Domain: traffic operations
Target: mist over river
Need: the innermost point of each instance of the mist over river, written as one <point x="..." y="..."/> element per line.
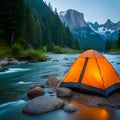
<point x="15" y="82"/>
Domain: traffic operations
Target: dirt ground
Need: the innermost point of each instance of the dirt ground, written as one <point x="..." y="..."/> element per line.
<point x="112" y="101"/>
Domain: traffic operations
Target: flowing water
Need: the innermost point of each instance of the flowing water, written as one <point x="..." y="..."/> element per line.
<point x="15" y="82"/>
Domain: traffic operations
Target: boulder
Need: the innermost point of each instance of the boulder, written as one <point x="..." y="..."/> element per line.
<point x="4" y="62"/>
<point x="70" y="108"/>
<point x="52" y="82"/>
<point x="43" y="104"/>
<point x="36" y="85"/>
<point x="3" y="68"/>
<point x="63" y="92"/>
<point x="35" y="92"/>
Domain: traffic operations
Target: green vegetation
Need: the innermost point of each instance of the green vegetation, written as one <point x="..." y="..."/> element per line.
<point x="31" y="24"/>
<point x="58" y="50"/>
<point x="19" y="52"/>
<point x="33" y="55"/>
<point x="5" y="52"/>
<point x="113" y="45"/>
<point x="17" y="49"/>
<point x="90" y="42"/>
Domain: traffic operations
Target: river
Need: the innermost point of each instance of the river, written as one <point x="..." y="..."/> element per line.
<point x="15" y="82"/>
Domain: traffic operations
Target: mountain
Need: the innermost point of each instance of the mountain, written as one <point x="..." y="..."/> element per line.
<point x="73" y="19"/>
<point x="81" y="30"/>
<point x="108" y="30"/>
<point x="53" y="31"/>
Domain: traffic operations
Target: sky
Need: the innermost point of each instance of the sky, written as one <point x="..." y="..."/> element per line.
<point x="94" y="10"/>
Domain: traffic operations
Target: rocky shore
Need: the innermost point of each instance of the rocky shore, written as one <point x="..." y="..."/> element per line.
<point x="10" y="61"/>
<point x="114" y="52"/>
<point x="45" y="98"/>
<point x="49" y="97"/>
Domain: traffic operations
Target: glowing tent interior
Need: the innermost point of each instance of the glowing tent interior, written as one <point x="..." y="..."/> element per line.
<point x="92" y="73"/>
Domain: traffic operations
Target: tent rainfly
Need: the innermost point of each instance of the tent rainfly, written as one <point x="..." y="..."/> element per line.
<point x="93" y="74"/>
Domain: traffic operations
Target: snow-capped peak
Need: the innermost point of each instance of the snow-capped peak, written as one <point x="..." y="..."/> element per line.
<point x="102" y="30"/>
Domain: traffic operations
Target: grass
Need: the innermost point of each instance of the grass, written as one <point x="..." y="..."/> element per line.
<point x="18" y="52"/>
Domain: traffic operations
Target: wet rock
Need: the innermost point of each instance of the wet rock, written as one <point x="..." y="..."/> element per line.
<point x="49" y="75"/>
<point x="4" y="62"/>
<point x="35" y="92"/>
<point x="36" y="85"/>
<point x="65" y="58"/>
<point x="67" y="65"/>
<point x="70" y="108"/>
<point x="13" y="61"/>
<point x="63" y="92"/>
<point x="3" y="68"/>
<point x="48" y="58"/>
<point x="52" y="82"/>
<point x="24" y="62"/>
<point x="55" y="60"/>
<point x="43" y="104"/>
<point x="116" y="106"/>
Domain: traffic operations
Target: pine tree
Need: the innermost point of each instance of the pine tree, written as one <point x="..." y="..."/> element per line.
<point x="55" y="11"/>
<point x="12" y="19"/>
<point x="30" y="26"/>
<point x="50" y="6"/>
<point x="49" y="43"/>
<point x="38" y="35"/>
<point x="118" y="43"/>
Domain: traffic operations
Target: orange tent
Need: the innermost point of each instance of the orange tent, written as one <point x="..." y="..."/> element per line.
<point x="92" y="73"/>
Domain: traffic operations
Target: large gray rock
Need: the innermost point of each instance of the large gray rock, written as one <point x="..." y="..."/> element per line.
<point x="52" y="81"/>
<point x="36" y="85"/>
<point x="70" y="108"/>
<point x="43" y="104"/>
<point x="63" y="92"/>
<point x="35" y="92"/>
<point x="4" y="62"/>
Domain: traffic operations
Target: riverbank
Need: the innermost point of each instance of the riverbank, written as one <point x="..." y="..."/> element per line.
<point x="72" y="99"/>
<point x="113" y="52"/>
<point x="4" y="63"/>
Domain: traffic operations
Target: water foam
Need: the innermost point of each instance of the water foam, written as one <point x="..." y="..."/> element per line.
<point x="14" y="103"/>
<point x="12" y="70"/>
<point x="22" y="82"/>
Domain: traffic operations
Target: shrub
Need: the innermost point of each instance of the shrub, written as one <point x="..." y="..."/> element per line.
<point x="43" y="49"/>
<point x="59" y="50"/>
<point x="17" y="49"/>
<point x="33" y="55"/>
<point x="5" y="52"/>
